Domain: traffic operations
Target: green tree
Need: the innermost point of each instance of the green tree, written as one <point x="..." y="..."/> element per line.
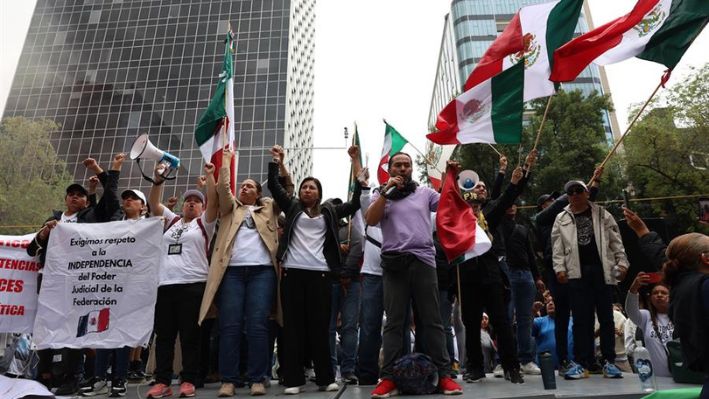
<point x="667" y="152"/>
<point x="571" y="145"/>
<point x="32" y="177"/>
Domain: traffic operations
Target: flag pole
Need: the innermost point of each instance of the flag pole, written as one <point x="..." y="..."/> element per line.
<point x="541" y="125"/>
<point x="663" y="80"/>
<point x="495" y="149"/>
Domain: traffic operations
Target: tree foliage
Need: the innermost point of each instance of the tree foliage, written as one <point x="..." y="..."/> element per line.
<point x="32" y="177"/>
<point x="667" y="151"/>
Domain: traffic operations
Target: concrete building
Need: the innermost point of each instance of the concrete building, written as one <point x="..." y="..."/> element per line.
<point x="109" y="70"/>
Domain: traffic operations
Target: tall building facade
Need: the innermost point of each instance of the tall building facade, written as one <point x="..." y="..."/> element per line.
<point x="469" y="29"/>
<point x="109" y="70"/>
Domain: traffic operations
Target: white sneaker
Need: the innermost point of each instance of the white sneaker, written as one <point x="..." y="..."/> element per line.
<point x="498" y="372"/>
<point x="292" y="391"/>
<point x="330" y="388"/>
<point x="530" y="369"/>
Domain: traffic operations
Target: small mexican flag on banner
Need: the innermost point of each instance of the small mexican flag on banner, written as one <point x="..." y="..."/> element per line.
<point x="353" y="178"/>
<point x="655" y="30"/>
<point x="393" y="143"/>
<point x="490" y="112"/>
<point x="217" y="121"/>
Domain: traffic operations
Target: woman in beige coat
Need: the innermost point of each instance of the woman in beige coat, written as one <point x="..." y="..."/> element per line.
<point x="242" y="279"/>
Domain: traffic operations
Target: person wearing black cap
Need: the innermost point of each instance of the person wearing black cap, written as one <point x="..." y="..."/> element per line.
<point x="77" y="211"/>
<point x="588" y="255"/>
<point x="550" y="205"/>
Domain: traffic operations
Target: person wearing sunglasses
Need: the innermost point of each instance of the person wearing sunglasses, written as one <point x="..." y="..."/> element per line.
<point x="588" y="255"/>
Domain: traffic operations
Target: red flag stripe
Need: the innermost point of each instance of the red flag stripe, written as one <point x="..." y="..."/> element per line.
<point x="455" y="220"/>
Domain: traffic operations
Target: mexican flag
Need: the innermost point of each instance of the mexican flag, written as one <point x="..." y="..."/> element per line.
<point x="532" y="35"/>
<point x="490" y="112"/>
<point x="655" y="30"/>
<point x="454" y="219"/>
<point x="217" y="121"/>
<point x="393" y="143"/>
<point x="353" y="178"/>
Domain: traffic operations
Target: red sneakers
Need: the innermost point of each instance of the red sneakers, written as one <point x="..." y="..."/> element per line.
<point x="159" y="391"/>
<point x="187" y="390"/>
<point x="448" y="387"/>
<point x="386" y="388"/>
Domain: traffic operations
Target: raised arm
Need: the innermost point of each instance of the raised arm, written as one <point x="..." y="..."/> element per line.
<point x="212" y="199"/>
<point x="632" y="304"/>
<point x="499" y="179"/>
<point x="225" y="197"/>
<point x="279" y="193"/>
<point x="155" y="194"/>
<point x="109" y="203"/>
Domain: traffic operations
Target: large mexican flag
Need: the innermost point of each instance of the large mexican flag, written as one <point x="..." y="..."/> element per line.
<point x="215" y="128"/>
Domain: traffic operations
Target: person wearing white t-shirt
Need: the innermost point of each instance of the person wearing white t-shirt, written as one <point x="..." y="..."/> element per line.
<point x="654" y="321"/>
<point x="182" y="277"/>
<point x="310" y="252"/>
<point x="243" y="271"/>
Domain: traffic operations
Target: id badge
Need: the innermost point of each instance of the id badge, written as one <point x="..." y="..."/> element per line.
<point x="174" y="249"/>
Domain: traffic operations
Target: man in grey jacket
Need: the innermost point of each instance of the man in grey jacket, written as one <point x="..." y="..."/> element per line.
<point x="588" y="254"/>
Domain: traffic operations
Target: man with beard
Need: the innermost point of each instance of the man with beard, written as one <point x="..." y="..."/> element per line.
<point x="483" y="282"/>
<point x="403" y="209"/>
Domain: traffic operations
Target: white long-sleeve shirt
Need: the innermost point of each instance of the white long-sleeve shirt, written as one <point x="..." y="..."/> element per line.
<point x="655" y="344"/>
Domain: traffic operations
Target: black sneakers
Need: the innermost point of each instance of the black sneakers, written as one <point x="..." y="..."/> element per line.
<point x="514" y="376"/>
<point x="118" y="389"/>
<point x="474" y="375"/>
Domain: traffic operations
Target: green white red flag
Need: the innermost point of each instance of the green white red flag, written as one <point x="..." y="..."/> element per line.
<point x="454" y="219"/>
<point x="655" y="30"/>
<point x="215" y="128"/>
<point x="490" y="112"/>
<point x="393" y="143"/>
<point x="533" y="34"/>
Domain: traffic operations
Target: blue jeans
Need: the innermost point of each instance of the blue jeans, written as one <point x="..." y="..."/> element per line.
<point x="245" y="298"/>
<point x="370" y="329"/>
<point x="346" y="304"/>
<point x="523" y="293"/>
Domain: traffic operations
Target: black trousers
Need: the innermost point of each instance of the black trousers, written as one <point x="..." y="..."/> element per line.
<point x="591" y="295"/>
<point x="177" y="311"/>
<point x="478" y="293"/>
<point x="306" y="297"/>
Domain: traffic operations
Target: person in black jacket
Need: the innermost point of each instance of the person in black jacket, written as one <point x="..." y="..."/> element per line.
<point x="311" y="258"/>
<point x="549" y="206"/>
<point x="483" y="283"/>
<point x="525" y="281"/>
<point x="687" y="274"/>
<point x="77" y="211"/>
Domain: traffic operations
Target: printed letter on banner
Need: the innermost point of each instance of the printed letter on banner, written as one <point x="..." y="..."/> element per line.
<point x="100" y="285"/>
<point x="18" y="284"/>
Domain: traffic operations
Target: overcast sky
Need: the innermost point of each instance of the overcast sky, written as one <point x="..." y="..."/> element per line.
<point x="377" y="59"/>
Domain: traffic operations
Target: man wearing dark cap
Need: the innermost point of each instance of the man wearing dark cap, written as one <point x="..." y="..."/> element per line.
<point x="77" y="211"/>
<point x="550" y="205"/>
<point x="588" y="255"/>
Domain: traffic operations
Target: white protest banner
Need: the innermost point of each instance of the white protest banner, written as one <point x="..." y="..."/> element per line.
<point x="100" y="285"/>
<point x="18" y="284"/>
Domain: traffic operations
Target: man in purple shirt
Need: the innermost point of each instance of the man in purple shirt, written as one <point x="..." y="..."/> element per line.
<point x="403" y="210"/>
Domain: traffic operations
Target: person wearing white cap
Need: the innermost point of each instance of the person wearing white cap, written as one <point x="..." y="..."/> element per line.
<point x="183" y="273"/>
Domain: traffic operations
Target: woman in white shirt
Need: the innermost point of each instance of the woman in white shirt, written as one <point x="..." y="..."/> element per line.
<point x="654" y="321"/>
<point x="310" y="252"/>
<point x="183" y="273"/>
<point x="242" y="279"/>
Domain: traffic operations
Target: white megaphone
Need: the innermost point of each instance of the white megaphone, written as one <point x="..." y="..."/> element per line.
<point x="142" y="148"/>
<point x="467" y="179"/>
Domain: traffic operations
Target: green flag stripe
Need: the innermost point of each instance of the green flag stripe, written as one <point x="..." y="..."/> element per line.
<point x="216" y="109"/>
<point x="507" y="104"/>
<point x="397" y="140"/>
<point x="561" y="23"/>
<point x="686" y="20"/>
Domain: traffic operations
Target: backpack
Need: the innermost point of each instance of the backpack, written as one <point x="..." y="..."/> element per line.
<point x="415" y="374"/>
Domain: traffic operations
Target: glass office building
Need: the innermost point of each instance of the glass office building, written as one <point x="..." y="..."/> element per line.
<point x="109" y="70"/>
<point x="470" y="28"/>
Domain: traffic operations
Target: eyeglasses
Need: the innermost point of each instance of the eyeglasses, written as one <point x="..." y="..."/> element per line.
<point x="575" y="190"/>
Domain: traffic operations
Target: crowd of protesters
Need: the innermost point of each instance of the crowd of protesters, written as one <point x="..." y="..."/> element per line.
<point x="336" y="291"/>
